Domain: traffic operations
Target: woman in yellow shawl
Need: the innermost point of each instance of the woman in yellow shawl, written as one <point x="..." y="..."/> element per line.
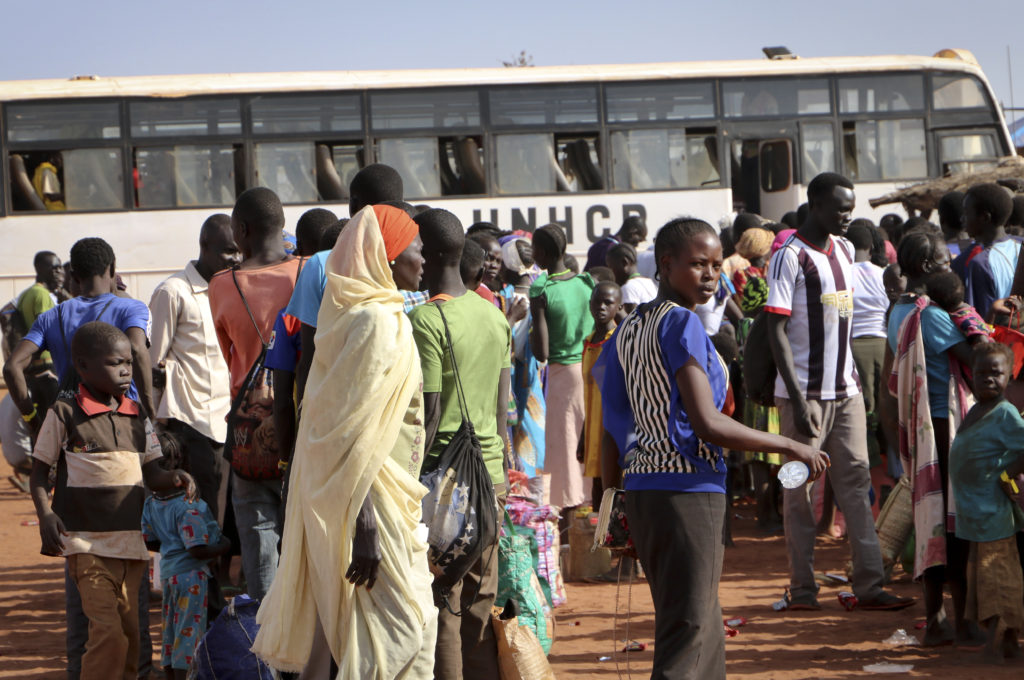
<point x="353" y="516"/>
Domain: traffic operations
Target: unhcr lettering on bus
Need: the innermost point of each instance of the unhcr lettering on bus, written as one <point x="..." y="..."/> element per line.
<point x="587" y="219"/>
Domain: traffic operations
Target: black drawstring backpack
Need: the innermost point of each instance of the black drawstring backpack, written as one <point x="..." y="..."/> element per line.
<point x="460" y="508"/>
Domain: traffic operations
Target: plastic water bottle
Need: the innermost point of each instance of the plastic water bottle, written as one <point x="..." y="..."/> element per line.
<point x="793" y="474"/>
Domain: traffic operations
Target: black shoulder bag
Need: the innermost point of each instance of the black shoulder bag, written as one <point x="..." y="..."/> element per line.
<point x="460" y="508"/>
<point x="251" y="444"/>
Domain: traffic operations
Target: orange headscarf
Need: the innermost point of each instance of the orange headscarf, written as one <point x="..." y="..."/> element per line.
<point x="397" y="229"/>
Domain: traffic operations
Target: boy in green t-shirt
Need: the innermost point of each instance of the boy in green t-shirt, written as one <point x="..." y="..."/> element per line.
<point x="481" y="341"/>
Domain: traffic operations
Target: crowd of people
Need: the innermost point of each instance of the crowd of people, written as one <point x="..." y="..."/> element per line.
<point x="283" y="400"/>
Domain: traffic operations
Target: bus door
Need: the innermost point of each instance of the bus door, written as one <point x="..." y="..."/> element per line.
<point x="762" y="166"/>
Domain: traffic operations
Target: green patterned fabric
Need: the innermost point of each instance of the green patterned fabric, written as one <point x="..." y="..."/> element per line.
<point x="755" y="295"/>
<point x="518" y="581"/>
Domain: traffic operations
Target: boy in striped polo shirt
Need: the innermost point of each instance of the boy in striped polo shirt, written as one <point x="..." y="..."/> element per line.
<point x="810" y="308"/>
<point x="104" y="447"/>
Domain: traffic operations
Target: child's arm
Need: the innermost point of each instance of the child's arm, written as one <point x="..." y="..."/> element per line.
<point x="149" y="536"/>
<point x="209" y="552"/>
<point x="611" y="475"/>
<point x="284" y="413"/>
<point x="580" y="453"/>
<point x="47" y="451"/>
<point x="501" y="414"/>
<point x="539" y="328"/>
<point x="733" y="312"/>
<point x="713" y="426"/>
<point x="51" y="528"/>
<point x="158" y="479"/>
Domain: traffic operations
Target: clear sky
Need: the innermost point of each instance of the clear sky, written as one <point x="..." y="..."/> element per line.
<point x="61" y="38"/>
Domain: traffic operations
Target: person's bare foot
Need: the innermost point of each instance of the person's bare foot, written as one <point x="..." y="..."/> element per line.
<point x="939" y="634"/>
<point x="831" y="531"/>
<point x="1011" y="648"/>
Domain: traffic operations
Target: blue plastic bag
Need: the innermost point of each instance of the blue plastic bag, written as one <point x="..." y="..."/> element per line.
<point x="225" y="653"/>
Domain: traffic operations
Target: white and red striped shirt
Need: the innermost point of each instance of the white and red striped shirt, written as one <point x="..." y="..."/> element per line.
<point x="814" y="288"/>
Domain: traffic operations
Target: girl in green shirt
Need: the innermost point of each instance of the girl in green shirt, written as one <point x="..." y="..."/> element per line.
<point x="559" y="303"/>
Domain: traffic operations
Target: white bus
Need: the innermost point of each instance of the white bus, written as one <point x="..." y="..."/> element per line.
<point x="142" y="161"/>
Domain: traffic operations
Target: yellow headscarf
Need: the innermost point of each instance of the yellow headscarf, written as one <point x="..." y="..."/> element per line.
<point x="755" y="243"/>
<point x="364" y="377"/>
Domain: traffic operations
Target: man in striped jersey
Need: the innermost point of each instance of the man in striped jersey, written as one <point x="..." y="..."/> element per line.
<point x="817" y="391"/>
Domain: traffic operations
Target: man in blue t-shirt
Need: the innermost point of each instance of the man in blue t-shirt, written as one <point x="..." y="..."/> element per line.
<point x="283" y="354"/>
<point x="987" y="268"/>
<point x="92" y="267"/>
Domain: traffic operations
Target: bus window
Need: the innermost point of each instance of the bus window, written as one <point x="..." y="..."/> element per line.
<point x="186" y="176"/>
<point x="336" y="165"/>
<point x="72" y="179"/>
<point x="185" y="117"/>
<point x="641" y="102"/>
<point x="545" y="163"/>
<point x="663" y="159"/>
<point x="818" y="147"/>
<point x="957" y="91"/>
<point x="416" y="160"/>
<point x="307" y="172"/>
<point x="287" y="168"/>
<point x="24" y="196"/>
<point x="885" y="149"/>
<point x="306" y="113"/>
<point x="868" y="94"/>
<point x="775" y="97"/>
<point x="967" y="153"/>
<point x="544" y="106"/>
<point x="462" y="166"/>
<point x="66" y="120"/>
<point x="526" y="164"/>
<point x="425" y="109"/>
<point x="577" y="154"/>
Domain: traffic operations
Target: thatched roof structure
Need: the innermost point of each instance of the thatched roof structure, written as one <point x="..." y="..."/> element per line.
<point x="925" y="196"/>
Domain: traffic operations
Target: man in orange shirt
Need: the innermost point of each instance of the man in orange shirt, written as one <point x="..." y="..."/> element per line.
<point x="263" y="283"/>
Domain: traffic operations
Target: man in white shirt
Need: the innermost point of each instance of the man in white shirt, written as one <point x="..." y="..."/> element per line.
<point x="870" y="303"/>
<point x="188" y="361"/>
<point x="810" y="310"/>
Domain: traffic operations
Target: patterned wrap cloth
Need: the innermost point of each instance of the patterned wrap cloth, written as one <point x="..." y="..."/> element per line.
<point x="934" y="509"/>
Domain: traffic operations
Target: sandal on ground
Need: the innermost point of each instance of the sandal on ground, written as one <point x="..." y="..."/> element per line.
<point x="886" y="602"/>
<point x="807" y="603"/>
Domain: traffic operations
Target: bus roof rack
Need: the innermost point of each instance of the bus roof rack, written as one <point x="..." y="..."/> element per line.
<point x="778" y="52"/>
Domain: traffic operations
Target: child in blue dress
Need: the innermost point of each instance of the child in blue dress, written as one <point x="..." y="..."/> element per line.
<point x="188" y="537"/>
<point x="988" y="443"/>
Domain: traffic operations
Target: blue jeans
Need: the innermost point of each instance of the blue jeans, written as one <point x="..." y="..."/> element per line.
<point x="78" y="628"/>
<point x="258" y="518"/>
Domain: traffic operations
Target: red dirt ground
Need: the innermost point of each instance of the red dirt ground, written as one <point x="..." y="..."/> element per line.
<point x="831" y="643"/>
